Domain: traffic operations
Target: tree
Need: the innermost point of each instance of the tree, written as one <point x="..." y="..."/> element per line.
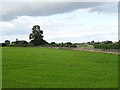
<point x="53" y="43"/>
<point x="7" y="42"/>
<point x="107" y="42"/>
<point x="69" y="43"/>
<point x="36" y="36"/>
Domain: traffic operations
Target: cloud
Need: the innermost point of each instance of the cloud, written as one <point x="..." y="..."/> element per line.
<point x="62" y="30"/>
<point x="109" y="7"/>
<point x="61" y="22"/>
<point x="14" y="27"/>
<point x="12" y="10"/>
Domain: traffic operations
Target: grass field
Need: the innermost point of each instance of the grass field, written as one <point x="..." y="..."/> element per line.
<point x="57" y="68"/>
<point x="0" y="68"/>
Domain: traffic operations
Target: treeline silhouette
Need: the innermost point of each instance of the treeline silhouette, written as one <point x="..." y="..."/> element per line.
<point x="107" y="46"/>
<point x="36" y="38"/>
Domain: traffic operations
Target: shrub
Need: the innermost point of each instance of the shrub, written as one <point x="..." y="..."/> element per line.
<point x="108" y="46"/>
<point x="3" y="44"/>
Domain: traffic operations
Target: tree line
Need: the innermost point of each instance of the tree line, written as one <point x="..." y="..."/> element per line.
<point x="36" y="39"/>
<point x="107" y="46"/>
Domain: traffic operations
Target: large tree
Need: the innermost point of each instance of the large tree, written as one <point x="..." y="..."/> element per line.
<point x="7" y="42"/>
<point x="36" y="36"/>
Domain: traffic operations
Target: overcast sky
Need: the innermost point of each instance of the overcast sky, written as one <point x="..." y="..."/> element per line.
<point x="60" y="21"/>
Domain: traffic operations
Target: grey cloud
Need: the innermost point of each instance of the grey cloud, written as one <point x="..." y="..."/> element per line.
<point x="14" y="9"/>
<point x="108" y="7"/>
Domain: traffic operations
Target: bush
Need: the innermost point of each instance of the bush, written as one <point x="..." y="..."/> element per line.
<point x="3" y="44"/>
<point x="21" y="45"/>
<point x="108" y="46"/>
<point x="63" y="45"/>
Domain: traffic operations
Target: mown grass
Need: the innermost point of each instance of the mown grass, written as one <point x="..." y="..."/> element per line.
<point x="56" y="68"/>
<point x="0" y="67"/>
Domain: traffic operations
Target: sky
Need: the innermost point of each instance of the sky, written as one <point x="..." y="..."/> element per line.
<point x="75" y="22"/>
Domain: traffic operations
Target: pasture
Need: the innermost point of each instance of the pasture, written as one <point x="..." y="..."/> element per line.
<point x="57" y="68"/>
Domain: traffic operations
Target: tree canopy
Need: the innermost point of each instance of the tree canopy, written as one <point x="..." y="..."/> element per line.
<point x="36" y="36"/>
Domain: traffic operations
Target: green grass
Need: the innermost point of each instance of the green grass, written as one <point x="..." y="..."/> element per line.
<point x="85" y="46"/>
<point x="0" y="67"/>
<point x="56" y="68"/>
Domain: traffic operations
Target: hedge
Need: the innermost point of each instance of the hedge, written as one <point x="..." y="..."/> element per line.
<point x="107" y="46"/>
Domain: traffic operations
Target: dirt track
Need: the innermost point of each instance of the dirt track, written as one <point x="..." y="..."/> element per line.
<point x="99" y="50"/>
<point x="110" y="51"/>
